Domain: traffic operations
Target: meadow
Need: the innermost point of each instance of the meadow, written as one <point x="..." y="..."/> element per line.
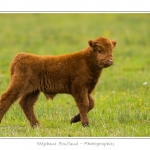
<point x="122" y="96"/>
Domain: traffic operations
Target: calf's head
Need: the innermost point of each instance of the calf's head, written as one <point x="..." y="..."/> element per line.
<point x="103" y="48"/>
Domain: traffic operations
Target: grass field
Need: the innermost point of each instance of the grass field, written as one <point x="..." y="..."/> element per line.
<point x="122" y="96"/>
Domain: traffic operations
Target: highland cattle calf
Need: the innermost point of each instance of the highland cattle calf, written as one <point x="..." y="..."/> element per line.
<point x="75" y="74"/>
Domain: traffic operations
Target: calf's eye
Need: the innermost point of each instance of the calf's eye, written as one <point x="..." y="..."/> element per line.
<point x="100" y="51"/>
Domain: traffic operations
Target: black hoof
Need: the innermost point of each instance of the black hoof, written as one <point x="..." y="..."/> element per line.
<point x="75" y="119"/>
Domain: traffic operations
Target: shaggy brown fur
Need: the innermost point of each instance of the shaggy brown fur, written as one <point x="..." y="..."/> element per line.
<point x="75" y="74"/>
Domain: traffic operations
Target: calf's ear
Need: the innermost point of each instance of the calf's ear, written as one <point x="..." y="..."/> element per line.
<point x="91" y="44"/>
<point x="113" y="42"/>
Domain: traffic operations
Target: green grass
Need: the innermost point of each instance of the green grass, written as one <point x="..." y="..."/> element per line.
<point x="122" y="101"/>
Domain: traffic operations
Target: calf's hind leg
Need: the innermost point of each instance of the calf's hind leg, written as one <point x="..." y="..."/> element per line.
<point x="9" y="97"/>
<point x="27" y="102"/>
<point x="91" y="105"/>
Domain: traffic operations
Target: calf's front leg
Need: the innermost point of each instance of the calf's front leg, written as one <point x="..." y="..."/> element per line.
<point x="91" y="105"/>
<point x="83" y="106"/>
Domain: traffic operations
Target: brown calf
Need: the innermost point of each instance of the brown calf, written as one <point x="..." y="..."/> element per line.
<point x="75" y="74"/>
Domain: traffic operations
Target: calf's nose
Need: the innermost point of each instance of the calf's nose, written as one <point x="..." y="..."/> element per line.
<point x="110" y="61"/>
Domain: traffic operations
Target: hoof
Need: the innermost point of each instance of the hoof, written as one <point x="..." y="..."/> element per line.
<point x="35" y="125"/>
<point x="75" y="119"/>
<point x="85" y="124"/>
